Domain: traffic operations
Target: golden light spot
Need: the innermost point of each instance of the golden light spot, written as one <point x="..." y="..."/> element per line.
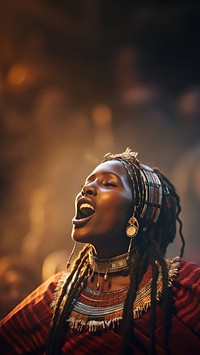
<point x="102" y="115"/>
<point x="17" y="75"/>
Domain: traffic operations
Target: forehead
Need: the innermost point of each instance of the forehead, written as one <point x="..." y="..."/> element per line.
<point x="111" y="167"/>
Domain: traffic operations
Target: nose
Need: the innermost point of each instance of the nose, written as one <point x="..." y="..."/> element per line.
<point x="88" y="190"/>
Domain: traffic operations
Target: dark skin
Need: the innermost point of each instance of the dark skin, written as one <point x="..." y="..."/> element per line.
<point x="109" y="192"/>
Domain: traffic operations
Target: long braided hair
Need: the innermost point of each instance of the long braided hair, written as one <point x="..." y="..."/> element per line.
<point x="151" y="244"/>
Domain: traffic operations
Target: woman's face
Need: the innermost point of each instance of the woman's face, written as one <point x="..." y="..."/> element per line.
<point x="103" y="208"/>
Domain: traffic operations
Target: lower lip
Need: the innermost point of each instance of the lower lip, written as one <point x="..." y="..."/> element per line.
<point x="81" y="222"/>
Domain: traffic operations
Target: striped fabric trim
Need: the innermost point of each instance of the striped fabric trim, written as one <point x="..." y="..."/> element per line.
<point x="187" y="295"/>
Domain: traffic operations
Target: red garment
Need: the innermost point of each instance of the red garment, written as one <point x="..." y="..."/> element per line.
<point x="25" y="330"/>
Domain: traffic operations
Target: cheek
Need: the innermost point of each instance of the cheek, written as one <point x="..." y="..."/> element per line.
<point x="117" y="202"/>
<point x="116" y="209"/>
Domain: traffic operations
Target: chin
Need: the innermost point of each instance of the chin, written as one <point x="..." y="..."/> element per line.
<point x="78" y="236"/>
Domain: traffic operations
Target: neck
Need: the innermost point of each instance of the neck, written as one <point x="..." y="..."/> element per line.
<point x="109" y="249"/>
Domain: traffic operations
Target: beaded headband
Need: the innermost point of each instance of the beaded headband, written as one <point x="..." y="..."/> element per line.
<point x="149" y="197"/>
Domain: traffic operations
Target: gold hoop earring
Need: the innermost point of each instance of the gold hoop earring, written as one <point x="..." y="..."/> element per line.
<point x="132" y="230"/>
<point x="132" y="227"/>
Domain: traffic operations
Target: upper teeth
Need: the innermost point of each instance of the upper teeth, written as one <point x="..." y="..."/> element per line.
<point x="86" y="205"/>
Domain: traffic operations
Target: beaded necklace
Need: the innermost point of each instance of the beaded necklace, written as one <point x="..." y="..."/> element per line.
<point x="105" y="267"/>
<point x="96" y="310"/>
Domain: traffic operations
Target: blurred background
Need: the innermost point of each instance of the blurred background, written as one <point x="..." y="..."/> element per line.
<point x="79" y="79"/>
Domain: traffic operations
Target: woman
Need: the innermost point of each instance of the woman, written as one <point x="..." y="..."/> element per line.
<point x="122" y="295"/>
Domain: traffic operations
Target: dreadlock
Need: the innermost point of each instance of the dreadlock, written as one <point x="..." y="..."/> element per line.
<point x="151" y="241"/>
<point x="76" y="278"/>
<point x="170" y="216"/>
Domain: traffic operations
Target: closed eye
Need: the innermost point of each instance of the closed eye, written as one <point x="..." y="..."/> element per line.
<point x="109" y="184"/>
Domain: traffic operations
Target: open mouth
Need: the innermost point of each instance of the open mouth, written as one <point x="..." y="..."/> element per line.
<point x="85" y="211"/>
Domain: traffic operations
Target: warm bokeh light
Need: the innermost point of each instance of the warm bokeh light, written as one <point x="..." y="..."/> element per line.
<point x="102" y="115"/>
<point x="78" y="84"/>
<point x="17" y="75"/>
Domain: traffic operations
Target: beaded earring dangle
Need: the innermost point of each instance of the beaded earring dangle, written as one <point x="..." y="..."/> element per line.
<point x="71" y="255"/>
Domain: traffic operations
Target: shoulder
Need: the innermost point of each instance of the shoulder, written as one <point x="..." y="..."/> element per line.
<point x="188" y="275"/>
<point x="43" y="294"/>
<point x="186" y="293"/>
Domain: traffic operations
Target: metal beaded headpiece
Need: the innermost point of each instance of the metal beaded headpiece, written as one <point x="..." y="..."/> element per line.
<point x="149" y="197"/>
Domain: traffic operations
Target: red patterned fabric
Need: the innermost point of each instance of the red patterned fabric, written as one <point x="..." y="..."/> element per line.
<point x="25" y="330"/>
